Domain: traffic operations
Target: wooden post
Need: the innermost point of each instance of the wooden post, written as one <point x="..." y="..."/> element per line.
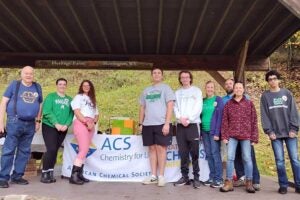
<point x="240" y="70"/>
<point x="218" y="77"/>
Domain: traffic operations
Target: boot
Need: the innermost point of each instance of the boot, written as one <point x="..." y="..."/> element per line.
<point x="228" y="186"/>
<point x="80" y="176"/>
<point x="74" y="179"/>
<point x="249" y="186"/>
<point x="51" y="176"/>
<point x="45" y="177"/>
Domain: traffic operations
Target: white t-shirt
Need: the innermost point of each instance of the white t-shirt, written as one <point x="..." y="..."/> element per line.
<point x="83" y="102"/>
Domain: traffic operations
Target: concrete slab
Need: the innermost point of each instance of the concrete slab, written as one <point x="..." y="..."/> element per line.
<point x="62" y="190"/>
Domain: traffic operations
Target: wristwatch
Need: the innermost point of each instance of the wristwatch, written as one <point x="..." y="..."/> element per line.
<point x="38" y="120"/>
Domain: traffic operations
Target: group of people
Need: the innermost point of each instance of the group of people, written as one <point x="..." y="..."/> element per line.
<point x="212" y="119"/>
<point x="23" y="103"/>
<point x="231" y="119"/>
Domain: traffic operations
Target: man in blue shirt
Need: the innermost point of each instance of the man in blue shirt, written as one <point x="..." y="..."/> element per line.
<point x="22" y="102"/>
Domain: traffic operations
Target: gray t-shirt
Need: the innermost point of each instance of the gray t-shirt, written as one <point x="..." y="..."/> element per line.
<point x="155" y="99"/>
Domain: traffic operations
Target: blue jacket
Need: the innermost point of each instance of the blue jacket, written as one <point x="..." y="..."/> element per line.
<point x="216" y="121"/>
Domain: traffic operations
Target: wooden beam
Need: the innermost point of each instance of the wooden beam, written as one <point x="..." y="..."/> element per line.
<point x="160" y="15"/>
<point x="100" y="25"/>
<point x="85" y="35"/>
<point x="51" y="11"/>
<point x="240" y="70"/>
<point x="168" y="62"/>
<point x="275" y="31"/>
<point x="191" y="46"/>
<point x="216" y="31"/>
<point x="238" y="27"/>
<point x="178" y="26"/>
<point x="292" y="5"/>
<point x="258" y="64"/>
<point x="278" y="43"/>
<point x="77" y="64"/>
<point x="16" y="37"/>
<point x="218" y="77"/>
<point x="264" y="21"/>
<point x="139" y="18"/>
<point x="29" y="10"/>
<point x="120" y="26"/>
<point x="24" y="27"/>
<point x="8" y="45"/>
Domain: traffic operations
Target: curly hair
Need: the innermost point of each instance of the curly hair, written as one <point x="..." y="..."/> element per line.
<point x="91" y="93"/>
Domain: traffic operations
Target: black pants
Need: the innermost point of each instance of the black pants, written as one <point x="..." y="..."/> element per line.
<point x="188" y="143"/>
<point x="53" y="140"/>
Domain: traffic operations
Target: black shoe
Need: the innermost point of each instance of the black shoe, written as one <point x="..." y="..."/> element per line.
<point x="196" y="183"/>
<point x="51" y="176"/>
<point x="217" y="184"/>
<point x="81" y="175"/>
<point x="208" y="182"/>
<point x="45" y="177"/>
<point x="297" y="190"/>
<point x="182" y="181"/>
<point x="74" y="179"/>
<point x="19" y="181"/>
<point x="4" y="184"/>
<point x="282" y="190"/>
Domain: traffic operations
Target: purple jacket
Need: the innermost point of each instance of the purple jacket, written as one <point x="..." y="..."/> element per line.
<point x="216" y="120"/>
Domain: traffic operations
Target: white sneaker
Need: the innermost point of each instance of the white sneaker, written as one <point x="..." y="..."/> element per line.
<point x="161" y="181"/>
<point x="150" y="180"/>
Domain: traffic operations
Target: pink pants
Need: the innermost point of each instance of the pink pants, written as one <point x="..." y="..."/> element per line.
<point x="83" y="137"/>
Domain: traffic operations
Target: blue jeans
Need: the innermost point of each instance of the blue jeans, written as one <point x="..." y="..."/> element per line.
<point x="213" y="156"/>
<point x="18" y="140"/>
<point x="292" y="148"/>
<point x="239" y="166"/>
<point x="246" y="155"/>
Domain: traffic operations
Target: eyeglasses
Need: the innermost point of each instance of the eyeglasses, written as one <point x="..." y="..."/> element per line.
<point x="272" y="79"/>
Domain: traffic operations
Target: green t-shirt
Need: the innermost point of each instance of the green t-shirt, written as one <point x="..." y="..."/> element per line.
<point x="57" y="109"/>
<point x="207" y="112"/>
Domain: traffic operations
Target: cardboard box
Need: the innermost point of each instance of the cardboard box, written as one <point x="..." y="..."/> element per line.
<point x="122" y="126"/>
<point x="31" y="168"/>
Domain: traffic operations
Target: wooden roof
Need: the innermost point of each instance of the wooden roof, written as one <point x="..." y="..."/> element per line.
<point x="174" y="34"/>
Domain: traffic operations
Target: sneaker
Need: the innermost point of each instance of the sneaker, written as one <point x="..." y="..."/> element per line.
<point x="161" y="181"/>
<point x="4" y="184"/>
<point x="256" y="186"/>
<point x="282" y="190"/>
<point x="20" y="181"/>
<point x="182" y="181"/>
<point x="239" y="183"/>
<point x="217" y="184"/>
<point x="297" y="190"/>
<point x="208" y="182"/>
<point x="150" y="180"/>
<point x="196" y="183"/>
